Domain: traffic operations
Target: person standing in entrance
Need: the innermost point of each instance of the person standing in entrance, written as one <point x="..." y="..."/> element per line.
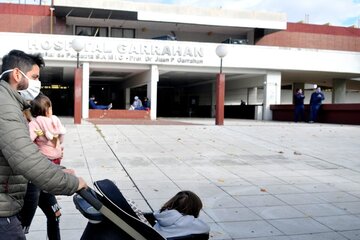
<point x="315" y="103"/>
<point x="299" y="105"/>
<point x="20" y="158"/>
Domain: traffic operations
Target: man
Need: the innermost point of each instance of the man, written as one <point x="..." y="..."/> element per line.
<point x="93" y="104"/>
<point x="146" y="104"/>
<point x="315" y="102"/>
<point x="299" y="105"/>
<point x="137" y="104"/>
<point x="20" y="159"/>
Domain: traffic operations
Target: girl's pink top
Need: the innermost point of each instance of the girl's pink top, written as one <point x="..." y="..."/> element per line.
<point x="48" y="134"/>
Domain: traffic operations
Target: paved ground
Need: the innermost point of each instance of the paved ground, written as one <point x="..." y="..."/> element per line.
<point x="258" y="180"/>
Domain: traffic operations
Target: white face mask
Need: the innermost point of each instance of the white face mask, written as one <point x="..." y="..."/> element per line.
<point x="33" y="89"/>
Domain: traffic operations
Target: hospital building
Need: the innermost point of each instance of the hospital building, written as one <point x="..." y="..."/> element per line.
<point x="116" y="50"/>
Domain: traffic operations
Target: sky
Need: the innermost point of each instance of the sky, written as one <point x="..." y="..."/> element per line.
<point x="335" y="12"/>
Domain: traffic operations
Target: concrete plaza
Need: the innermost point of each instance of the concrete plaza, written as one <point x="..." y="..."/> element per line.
<point x="258" y="180"/>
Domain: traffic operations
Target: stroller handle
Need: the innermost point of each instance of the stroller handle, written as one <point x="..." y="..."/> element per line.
<point x="89" y="195"/>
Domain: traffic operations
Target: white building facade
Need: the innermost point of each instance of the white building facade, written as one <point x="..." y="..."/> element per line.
<point x="256" y="74"/>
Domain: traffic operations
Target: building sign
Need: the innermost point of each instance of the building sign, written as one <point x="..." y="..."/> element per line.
<point x="123" y="50"/>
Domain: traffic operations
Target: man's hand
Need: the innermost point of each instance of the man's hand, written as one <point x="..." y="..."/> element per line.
<point x="70" y="171"/>
<point x="82" y="183"/>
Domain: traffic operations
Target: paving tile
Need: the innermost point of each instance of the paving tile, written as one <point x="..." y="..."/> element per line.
<point x="331" y="179"/>
<point x="318" y="236"/>
<point x="301" y="198"/>
<point x="266" y="238"/>
<point x="319" y="210"/>
<point x="334" y="197"/>
<point x="317" y="187"/>
<point x="297" y="180"/>
<point x="218" y="233"/>
<point x="340" y="223"/>
<point x="244" y="190"/>
<point x="277" y="212"/>
<point x="227" y="181"/>
<point x="231" y="214"/>
<point x="299" y="226"/>
<point x="355" y="193"/>
<point x="259" y="200"/>
<point x="282" y="189"/>
<point x="223" y="201"/>
<point x="351" y="235"/>
<point x="249" y="229"/>
<point x="260" y="181"/>
<point x="284" y="173"/>
<point x="351" y="207"/>
<point x="349" y="186"/>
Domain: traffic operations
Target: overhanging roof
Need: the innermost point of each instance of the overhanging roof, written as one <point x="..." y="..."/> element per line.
<point x="61" y="11"/>
<point x="165" y="13"/>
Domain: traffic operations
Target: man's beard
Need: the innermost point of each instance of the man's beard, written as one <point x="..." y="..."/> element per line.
<point x="22" y="84"/>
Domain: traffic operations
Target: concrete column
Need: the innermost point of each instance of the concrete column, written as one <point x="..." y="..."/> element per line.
<point x="77" y="95"/>
<point x="213" y="100"/>
<point x="85" y="90"/>
<point x="272" y="92"/>
<point x="220" y="99"/>
<point x="339" y="91"/>
<point x="152" y="90"/>
<point x="127" y="98"/>
<point x="252" y="95"/>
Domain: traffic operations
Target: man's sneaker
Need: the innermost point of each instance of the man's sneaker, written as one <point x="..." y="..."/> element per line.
<point x="110" y="106"/>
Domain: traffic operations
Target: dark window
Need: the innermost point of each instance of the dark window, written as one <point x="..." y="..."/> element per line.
<point x="92" y="31"/>
<point x="236" y="41"/>
<point x="122" y="33"/>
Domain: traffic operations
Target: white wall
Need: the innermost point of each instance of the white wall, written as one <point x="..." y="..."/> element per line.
<point x="99" y="51"/>
<point x="234" y="96"/>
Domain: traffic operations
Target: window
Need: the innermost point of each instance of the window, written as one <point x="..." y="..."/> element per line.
<point x="91" y="31"/>
<point x="122" y="33"/>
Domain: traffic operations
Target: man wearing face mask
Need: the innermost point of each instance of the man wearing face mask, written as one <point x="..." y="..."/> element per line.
<point x="20" y="159"/>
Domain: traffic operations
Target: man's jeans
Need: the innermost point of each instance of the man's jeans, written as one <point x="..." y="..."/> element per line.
<point x="314" y="112"/>
<point x="48" y="204"/>
<point x="10" y="228"/>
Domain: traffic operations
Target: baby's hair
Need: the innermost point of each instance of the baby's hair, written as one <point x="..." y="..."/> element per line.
<point x="40" y="105"/>
<point x="185" y="202"/>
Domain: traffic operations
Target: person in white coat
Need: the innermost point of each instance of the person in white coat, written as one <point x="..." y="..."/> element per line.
<point x="179" y="216"/>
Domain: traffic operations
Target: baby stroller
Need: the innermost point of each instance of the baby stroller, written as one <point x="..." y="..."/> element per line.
<point x="112" y="218"/>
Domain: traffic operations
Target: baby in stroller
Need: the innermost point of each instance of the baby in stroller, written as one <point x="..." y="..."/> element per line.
<point x="111" y="216"/>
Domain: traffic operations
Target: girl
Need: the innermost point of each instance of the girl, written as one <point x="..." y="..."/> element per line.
<point x="47" y="132"/>
<point x="179" y="216"/>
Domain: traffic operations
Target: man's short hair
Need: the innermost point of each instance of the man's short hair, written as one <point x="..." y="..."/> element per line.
<point x="23" y="61"/>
